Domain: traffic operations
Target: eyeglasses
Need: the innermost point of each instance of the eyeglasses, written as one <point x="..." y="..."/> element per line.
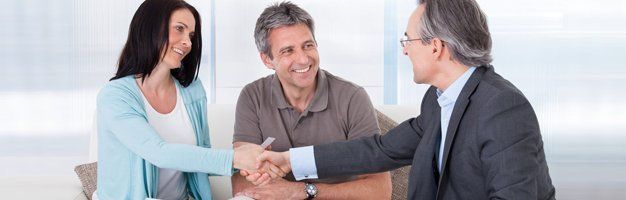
<point x="405" y="40"/>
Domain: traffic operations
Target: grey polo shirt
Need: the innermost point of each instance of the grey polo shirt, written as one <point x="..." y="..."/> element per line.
<point x="339" y="111"/>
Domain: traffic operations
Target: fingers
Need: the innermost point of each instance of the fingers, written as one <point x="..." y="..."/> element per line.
<point x="265" y="169"/>
<point x="286" y="169"/>
<point x="276" y="171"/>
<point x="266" y="182"/>
<point x="253" y="177"/>
<point x="264" y="179"/>
<point x="271" y="170"/>
<point x="259" y="178"/>
<point x="280" y="160"/>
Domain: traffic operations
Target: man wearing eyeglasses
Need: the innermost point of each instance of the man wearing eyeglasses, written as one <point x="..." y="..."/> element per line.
<point x="300" y="105"/>
<point x="477" y="136"/>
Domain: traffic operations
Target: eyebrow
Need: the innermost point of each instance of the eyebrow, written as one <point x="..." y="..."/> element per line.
<point x="183" y="24"/>
<point x="287" y="47"/>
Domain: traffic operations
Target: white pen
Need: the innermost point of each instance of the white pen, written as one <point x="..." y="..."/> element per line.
<point x="267" y="142"/>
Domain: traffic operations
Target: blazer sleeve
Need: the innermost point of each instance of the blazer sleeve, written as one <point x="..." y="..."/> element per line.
<point x="370" y="154"/>
<point x="117" y="116"/>
<point x="509" y="142"/>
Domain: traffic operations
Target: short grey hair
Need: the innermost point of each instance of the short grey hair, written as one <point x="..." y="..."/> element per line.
<point x="278" y="15"/>
<point x="462" y="26"/>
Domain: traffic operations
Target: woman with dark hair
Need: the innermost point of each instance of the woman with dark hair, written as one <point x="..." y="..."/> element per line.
<point x="153" y="139"/>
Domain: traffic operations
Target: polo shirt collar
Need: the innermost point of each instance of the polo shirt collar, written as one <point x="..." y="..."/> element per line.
<point x="320" y="98"/>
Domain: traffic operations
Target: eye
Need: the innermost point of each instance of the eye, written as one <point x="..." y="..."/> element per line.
<point x="179" y="28"/>
<point x="286" y="51"/>
<point x="192" y="34"/>
<point x="309" y="46"/>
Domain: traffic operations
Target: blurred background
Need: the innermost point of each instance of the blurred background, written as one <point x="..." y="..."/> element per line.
<point x="567" y="56"/>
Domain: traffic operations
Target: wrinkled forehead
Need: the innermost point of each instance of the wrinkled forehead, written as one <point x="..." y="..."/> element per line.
<point x="288" y="34"/>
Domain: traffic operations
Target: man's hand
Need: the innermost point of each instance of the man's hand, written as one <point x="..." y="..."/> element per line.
<point x="268" y="169"/>
<point x="276" y="189"/>
<point x="279" y="159"/>
<point x="245" y="160"/>
<point x="266" y="173"/>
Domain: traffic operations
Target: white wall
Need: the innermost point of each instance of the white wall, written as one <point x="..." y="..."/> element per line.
<point x="349" y="35"/>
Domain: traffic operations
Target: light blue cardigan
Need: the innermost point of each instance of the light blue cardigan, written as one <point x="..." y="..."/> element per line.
<point x="129" y="150"/>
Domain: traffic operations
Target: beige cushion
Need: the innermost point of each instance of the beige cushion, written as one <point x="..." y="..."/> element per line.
<point x="400" y="176"/>
<point x="87" y="173"/>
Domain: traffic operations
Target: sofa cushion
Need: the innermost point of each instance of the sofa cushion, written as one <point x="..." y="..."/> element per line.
<point x="384" y="122"/>
<point x="87" y="173"/>
<point x="400" y="176"/>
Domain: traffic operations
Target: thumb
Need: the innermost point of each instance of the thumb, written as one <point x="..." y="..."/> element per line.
<point x="244" y="172"/>
<point x="261" y="158"/>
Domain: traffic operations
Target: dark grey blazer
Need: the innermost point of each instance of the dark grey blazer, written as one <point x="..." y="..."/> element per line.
<point x="493" y="149"/>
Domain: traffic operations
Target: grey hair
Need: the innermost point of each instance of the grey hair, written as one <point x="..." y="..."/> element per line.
<point x="462" y="26"/>
<point x="278" y="15"/>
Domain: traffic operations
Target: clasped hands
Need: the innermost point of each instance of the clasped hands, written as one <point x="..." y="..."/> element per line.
<point x="259" y="165"/>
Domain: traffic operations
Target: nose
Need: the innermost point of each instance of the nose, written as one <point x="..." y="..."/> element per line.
<point x="404" y="50"/>
<point x="186" y="41"/>
<point x="302" y="58"/>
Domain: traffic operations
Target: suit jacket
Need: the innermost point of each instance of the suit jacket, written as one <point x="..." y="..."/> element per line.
<point x="493" y="149"/>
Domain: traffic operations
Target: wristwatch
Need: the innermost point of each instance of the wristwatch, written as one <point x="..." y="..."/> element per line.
<point x="310" y="189"/>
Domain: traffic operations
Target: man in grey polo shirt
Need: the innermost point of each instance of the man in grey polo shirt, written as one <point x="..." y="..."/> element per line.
<point x="302" y="105"/>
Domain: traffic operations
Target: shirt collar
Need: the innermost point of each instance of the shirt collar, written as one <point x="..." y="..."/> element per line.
<point x="320" y="98"/>
<point x="452" y="92"/>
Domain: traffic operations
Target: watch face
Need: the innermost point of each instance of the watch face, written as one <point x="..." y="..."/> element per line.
<point x="311" y="189"/>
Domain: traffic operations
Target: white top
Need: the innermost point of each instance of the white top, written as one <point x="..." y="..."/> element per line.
<point x="173" y="127"/>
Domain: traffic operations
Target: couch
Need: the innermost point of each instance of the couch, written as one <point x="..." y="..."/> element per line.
<point x="221" y="123"/>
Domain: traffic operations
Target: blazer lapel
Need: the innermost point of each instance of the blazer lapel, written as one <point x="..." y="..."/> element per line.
<point x="435" y="140"/>
<point x="455" y="119"/>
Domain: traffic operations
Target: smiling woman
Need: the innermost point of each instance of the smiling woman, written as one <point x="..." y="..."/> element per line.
<point x="181" y="32"/>
<point x="152" y="130"/>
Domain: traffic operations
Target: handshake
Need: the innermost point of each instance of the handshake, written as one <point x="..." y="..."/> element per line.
<point x="259" y="165"/>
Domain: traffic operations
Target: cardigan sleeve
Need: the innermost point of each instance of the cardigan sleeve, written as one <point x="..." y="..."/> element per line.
<point x="119" y="114"/>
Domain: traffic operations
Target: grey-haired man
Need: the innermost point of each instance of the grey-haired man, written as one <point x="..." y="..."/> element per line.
<point x="477" y="136"/>
<point x="300" y="105"/>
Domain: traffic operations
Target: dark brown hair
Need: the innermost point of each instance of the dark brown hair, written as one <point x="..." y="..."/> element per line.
<point x="148" y="35"/>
